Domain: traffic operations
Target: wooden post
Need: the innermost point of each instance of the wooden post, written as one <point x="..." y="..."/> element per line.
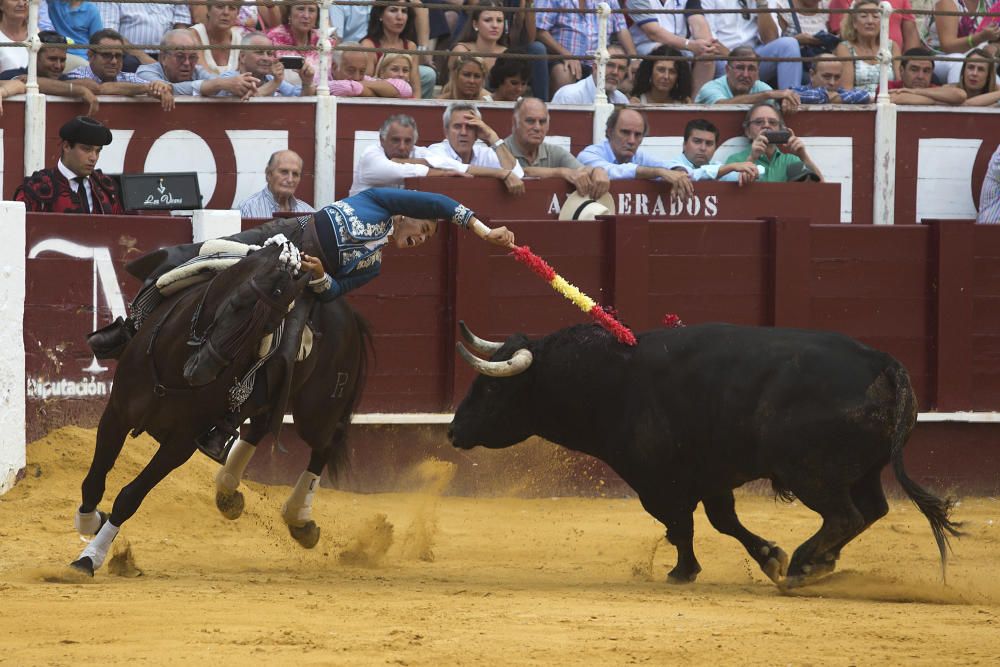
<point x="951" y="288"/>
<point x="791" y="251"/>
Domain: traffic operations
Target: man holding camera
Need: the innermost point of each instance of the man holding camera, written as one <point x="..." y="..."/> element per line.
<point x="270" y="71"/>
<point x="765" y="127"/>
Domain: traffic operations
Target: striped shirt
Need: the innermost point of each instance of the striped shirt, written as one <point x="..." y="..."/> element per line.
<point x="84" y="72"/>
<point x="989" y="198"/>
<point x="264" y="205"/>
<point x="143" y="23"/>
<point x="577" y="33"/>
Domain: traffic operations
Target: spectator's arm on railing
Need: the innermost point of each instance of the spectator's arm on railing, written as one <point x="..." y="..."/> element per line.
<point x="8" y="88"/>
<point x="946" y="95"/>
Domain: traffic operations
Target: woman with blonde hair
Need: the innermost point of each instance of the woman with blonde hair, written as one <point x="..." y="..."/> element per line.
<point x="466" y="80"/>
<point x="861" y="40"/>
<point x="978" y="79"/>
<point x="220" y="28"/>
<point x="13" y="28"/>
<point x="395" y="66"/>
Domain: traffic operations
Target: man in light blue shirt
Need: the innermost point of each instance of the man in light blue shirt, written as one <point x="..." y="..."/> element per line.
<point x="179" y="68"/>
<point x="263" y="66"/>
<point x="619" y="154"/>
<point x="584" y="91"/>
<point x="701" y="139"/>
<point x="349" y="22"/>
<point x="742" y="85"/>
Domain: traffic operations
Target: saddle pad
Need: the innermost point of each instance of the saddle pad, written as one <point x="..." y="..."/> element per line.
<point x="202" y="267"/>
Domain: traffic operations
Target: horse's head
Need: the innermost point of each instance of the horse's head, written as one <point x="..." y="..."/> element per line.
<point x="244" y="303"/>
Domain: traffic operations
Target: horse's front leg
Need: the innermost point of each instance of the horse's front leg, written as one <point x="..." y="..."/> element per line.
<point x="228" y="498"/>
<point x="111" y="434"/>
<point x="167" y="458"/>
<point x="297" y="510"/>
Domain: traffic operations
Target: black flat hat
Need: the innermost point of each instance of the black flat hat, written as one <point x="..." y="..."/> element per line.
<point x="85" y="130"/>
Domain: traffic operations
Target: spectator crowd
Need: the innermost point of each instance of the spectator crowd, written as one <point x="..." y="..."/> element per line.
<point x="749" y="52"/>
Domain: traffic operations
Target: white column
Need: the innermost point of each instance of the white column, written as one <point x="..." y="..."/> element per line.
<point x="884" y="199"/>
<point x="207" y="224"/>
<point x="326" y="151"/>
<point x="602" y="107"/>
<point x="34" y="102"/>
<point x="12" y="371"/>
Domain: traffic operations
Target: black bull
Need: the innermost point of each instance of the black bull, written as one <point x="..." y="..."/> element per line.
<point x="689" y="414"/>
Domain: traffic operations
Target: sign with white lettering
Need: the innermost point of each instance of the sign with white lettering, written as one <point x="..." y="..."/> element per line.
<point x="161" y="191"/>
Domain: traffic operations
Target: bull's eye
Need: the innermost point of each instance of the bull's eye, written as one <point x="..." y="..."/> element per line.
<point x="276" y="293"/>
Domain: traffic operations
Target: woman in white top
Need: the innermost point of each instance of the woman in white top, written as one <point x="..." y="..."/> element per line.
<point x="13" y="28"/>
<point x="803" y="20"/>
<point x="219" y="29"/>
<point x="861" y="39"/>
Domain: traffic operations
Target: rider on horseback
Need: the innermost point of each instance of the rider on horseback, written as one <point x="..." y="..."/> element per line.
<point x="346" y="239"/>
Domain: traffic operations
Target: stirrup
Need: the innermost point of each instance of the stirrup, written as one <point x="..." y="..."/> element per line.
<point x="216" y="443"/>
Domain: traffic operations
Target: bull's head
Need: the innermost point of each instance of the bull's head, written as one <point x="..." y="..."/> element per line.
<point x="497" y="411"/>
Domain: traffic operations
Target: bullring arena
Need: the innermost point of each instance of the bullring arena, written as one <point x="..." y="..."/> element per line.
<point x="432" y="555"/>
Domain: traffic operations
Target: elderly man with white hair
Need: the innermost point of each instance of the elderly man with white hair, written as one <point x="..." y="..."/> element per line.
<point x="469" y="140"/>
<point x="179" y="67"/>
<point x="268" y="70"/>
<point x="396" y="157"/>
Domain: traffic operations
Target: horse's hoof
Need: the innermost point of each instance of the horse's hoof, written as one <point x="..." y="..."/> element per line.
<point x="230" y="504"/>
<point x="84" y="565"/>
<point x="307" y="535"/>
<point x="776" y="566"/>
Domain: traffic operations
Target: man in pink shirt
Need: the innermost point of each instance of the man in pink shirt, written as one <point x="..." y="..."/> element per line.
<point x="348" y="77"/>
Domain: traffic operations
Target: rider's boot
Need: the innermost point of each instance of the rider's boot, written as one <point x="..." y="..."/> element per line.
<point x="217" y="441"/>
<point x="110" y="341"/>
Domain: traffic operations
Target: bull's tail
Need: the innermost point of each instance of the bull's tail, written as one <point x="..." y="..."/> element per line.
<point x="338" y="459"/>
<point x="937" y="510"/>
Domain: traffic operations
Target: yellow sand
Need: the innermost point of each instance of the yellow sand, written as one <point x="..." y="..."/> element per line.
<point x="421" y="578"/>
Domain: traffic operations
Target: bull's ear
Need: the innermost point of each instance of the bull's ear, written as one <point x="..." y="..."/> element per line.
<point x="486" y="348"/>
<point x="516" y="365"/>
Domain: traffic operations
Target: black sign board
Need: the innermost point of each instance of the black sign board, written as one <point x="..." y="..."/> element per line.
<point x="171" y="191"/>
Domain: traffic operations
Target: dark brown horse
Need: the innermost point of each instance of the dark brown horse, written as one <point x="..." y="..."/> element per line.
<point x="175" y="377"/>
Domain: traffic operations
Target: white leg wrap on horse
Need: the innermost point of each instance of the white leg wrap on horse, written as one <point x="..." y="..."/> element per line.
<point x="297" y="510"/>
<point x="87" y="524"/>
<point x="97" y="550"/>
<point x="229" y="476"/>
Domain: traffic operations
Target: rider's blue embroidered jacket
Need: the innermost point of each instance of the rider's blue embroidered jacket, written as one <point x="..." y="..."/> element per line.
<point x="352" y="231"/>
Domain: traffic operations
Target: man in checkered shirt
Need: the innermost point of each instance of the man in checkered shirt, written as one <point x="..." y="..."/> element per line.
<point x="575" y="34"/>
<point x="143" y="23"/>
<point x="105" y="68"/>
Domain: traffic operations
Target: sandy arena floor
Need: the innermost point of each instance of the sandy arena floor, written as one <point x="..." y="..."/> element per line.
<point x="423" y="578"/>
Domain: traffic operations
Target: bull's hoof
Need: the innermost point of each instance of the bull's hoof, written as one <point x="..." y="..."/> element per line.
<point x="307" y="535"/>
<point x="776" y="565"/>
<point x="230" y="504"/>
<point x="83" y="565"/>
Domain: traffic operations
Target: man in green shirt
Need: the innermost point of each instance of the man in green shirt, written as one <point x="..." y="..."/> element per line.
<point x="762" y="120"/>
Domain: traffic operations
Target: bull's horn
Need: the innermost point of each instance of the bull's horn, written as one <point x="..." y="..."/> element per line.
<point x="498" y="369"/>
<point x="487" y="348"/>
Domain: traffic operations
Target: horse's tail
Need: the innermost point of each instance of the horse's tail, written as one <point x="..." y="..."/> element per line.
<point x="338" y="461"/>
<point x="936" y="509"/>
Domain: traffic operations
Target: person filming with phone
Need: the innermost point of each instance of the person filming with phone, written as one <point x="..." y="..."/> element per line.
<point x="775" y="148"/>
<point x="269" y="71"/>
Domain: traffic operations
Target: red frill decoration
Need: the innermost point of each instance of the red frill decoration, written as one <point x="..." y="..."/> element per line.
<point x="620" y="331"/>
<point x="541" y="268"/>
<point x="524" y="255"/>
<point x="671" y="321"/>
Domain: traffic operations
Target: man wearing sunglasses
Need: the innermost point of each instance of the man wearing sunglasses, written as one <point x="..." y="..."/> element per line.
<point x="51" y="79"/>
<point x="178" y="66"/>
<point x="105" y="69"/>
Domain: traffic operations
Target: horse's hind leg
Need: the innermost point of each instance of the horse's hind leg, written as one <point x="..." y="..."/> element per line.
<point x="297" y="510"/>
<point x="168" y="457"/>
<point x="111" y="434"/>
<point x="228" y="498"/>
